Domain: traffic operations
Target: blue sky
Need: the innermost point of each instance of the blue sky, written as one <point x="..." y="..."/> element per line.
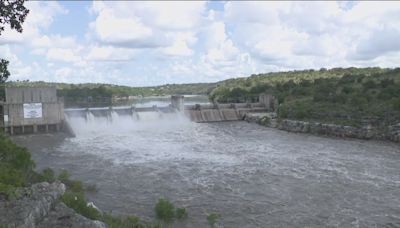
<point x="150" y="43"/>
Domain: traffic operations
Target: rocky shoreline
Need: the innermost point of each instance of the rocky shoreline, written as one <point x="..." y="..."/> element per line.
<point x="40" y="206"/>
<point x="391" y="133"/>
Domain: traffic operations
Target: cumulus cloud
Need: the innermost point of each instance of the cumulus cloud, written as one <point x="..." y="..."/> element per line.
<point x="46" y="41"/>
<point x="378" y="43"/>
<point x="130" y="31"/>
<point x="62" y="54"/>
<point x="145" y="24"/>
<point x="145" y="43"/>
<point x="108" y="53"/>
<point x="40" y="17"/>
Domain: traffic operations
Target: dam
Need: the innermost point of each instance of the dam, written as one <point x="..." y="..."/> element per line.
<point x="30" y="110"/>
<point x="199" y="113"/>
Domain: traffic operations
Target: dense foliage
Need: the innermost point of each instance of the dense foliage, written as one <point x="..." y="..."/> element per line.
<point x="104" y="90"/>
<point x="345" y="96"/>
<point x="166" y="211"/>
<point x="4" y="73"/>
<point x="16" y="167"/>
<point x="13" y="13"/>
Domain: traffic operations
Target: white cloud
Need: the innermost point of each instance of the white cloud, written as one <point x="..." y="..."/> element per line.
<point x="54" y="41"/>
<point x="146" y="24"/>
<point x="309" y="34"/>
<point x="109" y="53"/>
<point x="62" y="54"/>
<point x="173" y="14"/>
<point x="378" y="43"/>
<point x="63" y="73"/>
<point x="124" y="31"/>
<point x="40" y="17"/>
<point x="144" y="43"/>
<point x="180" y="47"/>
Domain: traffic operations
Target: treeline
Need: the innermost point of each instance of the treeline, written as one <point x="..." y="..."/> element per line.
<point x="341" y="95"/>
<point x="95" y="90"/>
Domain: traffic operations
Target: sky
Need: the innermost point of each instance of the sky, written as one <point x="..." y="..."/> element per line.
<point x="152" y="43"/>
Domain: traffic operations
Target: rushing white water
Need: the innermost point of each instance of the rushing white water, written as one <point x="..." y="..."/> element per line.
<point x="253" y="176"/>
<point x="125" y="124"/>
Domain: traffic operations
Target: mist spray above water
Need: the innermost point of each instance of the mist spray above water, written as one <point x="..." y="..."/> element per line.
<point x="125" y="124"/>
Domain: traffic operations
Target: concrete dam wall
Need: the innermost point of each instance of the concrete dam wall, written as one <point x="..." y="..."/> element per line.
<point x="222" y="112"/>
<point x="36" y="110"/>
<point x="196" y="113"/>
<point x="177" y="109"/>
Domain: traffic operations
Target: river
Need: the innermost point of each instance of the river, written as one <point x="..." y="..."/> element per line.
<point x="253" y="176"/>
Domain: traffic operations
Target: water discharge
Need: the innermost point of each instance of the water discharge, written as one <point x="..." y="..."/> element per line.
<point x="253" y="176"/>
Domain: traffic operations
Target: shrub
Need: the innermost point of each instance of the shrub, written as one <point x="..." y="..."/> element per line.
<point x="14" y="156"/>
<point x="16" y="167"/>
<point x="77" y="202"/>
<point x="48" y="175"/>
<point x="181" y="213"/>
<point x="396" y="103"/>
<point x="265" y="121"/>
<point x="213" y="218"/>
<point x="7" y="191"/>
<point x="165" y="210"/>
<point x="11" y="176"/>
<point x="369" y="85"/>
<point x="348" y="89"/>
<point x="126" y="222"/>
<point x="63" y="176"/>
<point x="75" y="186"/>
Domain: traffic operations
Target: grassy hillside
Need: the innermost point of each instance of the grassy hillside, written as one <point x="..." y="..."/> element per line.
<point x="347" y="96"/>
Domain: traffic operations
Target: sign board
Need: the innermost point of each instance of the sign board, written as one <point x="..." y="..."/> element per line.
<point x="5" y="118"/>
<point x="33" y="110"/>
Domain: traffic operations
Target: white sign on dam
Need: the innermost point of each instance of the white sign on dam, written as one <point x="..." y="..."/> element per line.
<point x="33" y="110"/>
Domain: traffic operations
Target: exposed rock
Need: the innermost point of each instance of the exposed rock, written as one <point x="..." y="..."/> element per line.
<point x="39" y="206"/>
<point x="33" y="204"/>
<point x="367" y="132"/>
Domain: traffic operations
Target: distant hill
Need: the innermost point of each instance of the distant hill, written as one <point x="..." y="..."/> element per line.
<point x="98" y="89"/>
<point x="350" y="96"/>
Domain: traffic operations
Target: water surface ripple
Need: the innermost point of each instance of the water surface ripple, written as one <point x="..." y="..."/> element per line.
<point x="253" y="176"/>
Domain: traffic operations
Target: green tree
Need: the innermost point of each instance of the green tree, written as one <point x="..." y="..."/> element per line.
<point x="4" y="73"/>
<point x="12" y="12"/>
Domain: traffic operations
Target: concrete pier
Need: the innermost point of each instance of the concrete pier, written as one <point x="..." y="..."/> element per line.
<point x="177" y="102"/>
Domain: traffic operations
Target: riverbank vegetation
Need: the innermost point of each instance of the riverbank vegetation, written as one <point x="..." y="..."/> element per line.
<point x="17" y="170"/>
<point x="350" y="96"/>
